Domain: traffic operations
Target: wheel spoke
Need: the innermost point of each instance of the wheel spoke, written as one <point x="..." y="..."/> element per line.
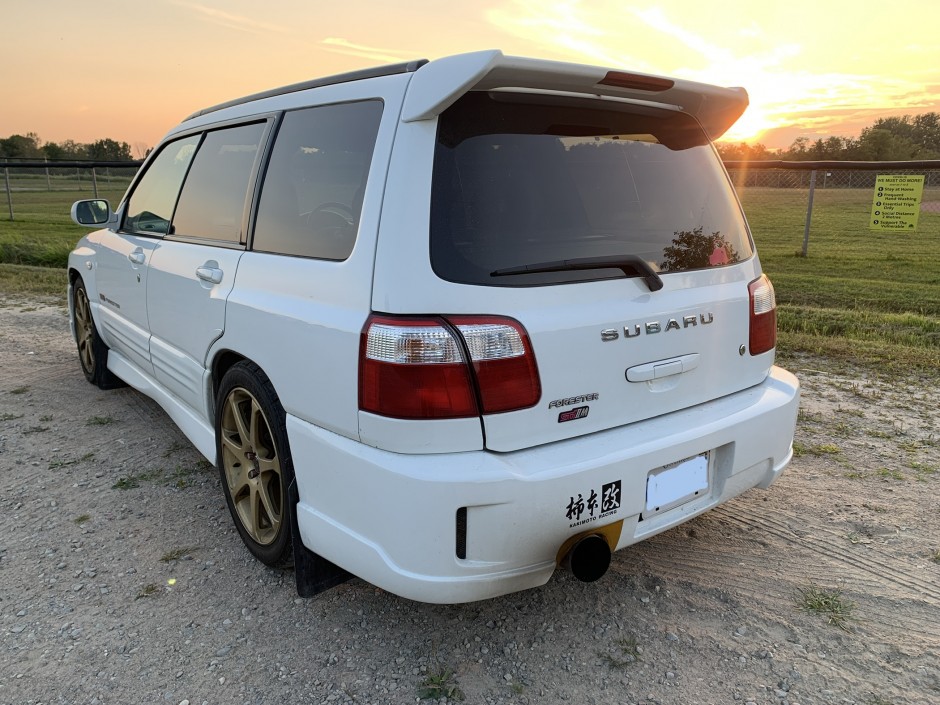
<point x="229" y="444"/>
<point x="274" y="516"/>
<point x="269" y="465"/>
<point x="243" y="434"/>
<point x="238" y="480"/>
<point x="255" y="526"/>
<point x="256" y="425"/>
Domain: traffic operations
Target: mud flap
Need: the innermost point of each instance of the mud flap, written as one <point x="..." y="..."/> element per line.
<point x="314" y="573"/>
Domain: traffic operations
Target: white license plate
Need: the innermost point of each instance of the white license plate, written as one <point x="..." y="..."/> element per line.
<point x="674" y="484"/>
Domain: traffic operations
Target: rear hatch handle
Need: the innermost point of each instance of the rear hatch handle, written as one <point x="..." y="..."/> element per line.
<point x="630" y="265"/>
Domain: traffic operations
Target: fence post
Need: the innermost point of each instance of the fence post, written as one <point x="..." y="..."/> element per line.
<point x="94" y="181"/>
<point x="809" y="211"/>
<point x="48" y="182"/>
<point x="6" y="179"/>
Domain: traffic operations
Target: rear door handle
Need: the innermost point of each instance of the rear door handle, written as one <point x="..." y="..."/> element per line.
<point x="209" y="274"/>
<point x="662" y="368"/>
<point x="137" y="257"/>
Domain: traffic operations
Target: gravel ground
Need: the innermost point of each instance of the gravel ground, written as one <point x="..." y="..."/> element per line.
<point x="122" y="579"/>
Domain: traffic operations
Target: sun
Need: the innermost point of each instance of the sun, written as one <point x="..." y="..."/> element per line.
<point x="750" y="126"/>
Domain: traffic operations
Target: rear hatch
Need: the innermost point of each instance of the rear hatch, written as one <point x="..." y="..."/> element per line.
<point x="650" y="307"/>
<point x="609" y="230"/>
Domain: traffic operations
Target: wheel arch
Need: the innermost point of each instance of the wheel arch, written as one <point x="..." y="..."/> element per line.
<point x="222" y="361"/>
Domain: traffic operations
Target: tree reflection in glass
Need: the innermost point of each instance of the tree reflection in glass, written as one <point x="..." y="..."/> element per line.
<point x="691" y="249"/>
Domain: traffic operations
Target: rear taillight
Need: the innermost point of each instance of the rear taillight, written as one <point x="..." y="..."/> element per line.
<point x="503" y="362"/>
<point x="763" y="336"/>
<point x="417" y="368"/>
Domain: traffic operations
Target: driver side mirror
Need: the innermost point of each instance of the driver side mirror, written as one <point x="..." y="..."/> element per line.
<point x="92" y="212"/>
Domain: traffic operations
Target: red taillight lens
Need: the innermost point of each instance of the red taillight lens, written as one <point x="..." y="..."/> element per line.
<point x="503" y="361"/>
<point x="412" y="368"/>
<point x="763" y="302"/>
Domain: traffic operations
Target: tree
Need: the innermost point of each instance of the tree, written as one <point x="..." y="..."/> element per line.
<point x="744" y="152"/>
<point x="21" y="146"/>
<point x="878" y="144"/>
<point x="922" y="132"/>
<point x="109" y="150"/>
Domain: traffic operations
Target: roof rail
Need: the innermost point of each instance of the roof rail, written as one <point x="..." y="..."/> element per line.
<point x="374" y="72"/>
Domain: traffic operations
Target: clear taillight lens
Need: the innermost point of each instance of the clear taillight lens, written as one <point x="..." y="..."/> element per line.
<point x="421" y="343"/>
<point x="414" y="368"/>
<point x="503" y="362"/>
<point x="763" y="318"/>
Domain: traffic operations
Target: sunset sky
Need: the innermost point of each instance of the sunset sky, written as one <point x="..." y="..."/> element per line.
<point x="131" y="69"/>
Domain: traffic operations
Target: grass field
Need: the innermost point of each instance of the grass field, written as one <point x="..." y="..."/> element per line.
<point x="860" y="297"/>
<point x="42" y="232"/>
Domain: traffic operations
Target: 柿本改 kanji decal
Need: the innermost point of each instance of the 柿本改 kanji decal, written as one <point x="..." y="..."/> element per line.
<point x="597" y="506"/>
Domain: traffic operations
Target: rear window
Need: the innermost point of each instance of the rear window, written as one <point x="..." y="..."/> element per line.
<point x="314" y="187"/>
<point x="523" y="180"/>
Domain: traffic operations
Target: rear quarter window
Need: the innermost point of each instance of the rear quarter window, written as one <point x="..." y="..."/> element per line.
<point x="312" y="195"/>
<point x="521" y="180"/>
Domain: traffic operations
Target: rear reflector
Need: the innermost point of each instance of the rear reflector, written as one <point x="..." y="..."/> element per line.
<point x="413" y="368"/>
<point x="763" y="325"/>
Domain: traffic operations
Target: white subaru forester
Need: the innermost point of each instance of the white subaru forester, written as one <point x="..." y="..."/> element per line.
<point x="447" y="326"/>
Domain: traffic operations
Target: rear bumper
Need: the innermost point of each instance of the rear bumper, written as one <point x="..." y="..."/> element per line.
<point x="392" y="518"/>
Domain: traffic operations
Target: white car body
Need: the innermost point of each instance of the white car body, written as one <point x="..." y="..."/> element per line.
<point x="679" y="403"/>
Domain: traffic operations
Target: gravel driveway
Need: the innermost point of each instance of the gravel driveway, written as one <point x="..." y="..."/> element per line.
<point x="122" y="579"/>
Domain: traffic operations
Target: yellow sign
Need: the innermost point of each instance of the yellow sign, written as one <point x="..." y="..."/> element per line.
<point x="896" y="204"/>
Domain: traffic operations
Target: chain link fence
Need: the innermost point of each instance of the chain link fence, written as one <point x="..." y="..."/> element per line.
<point x="798" y="196"/>
<point x="807" y="197"/>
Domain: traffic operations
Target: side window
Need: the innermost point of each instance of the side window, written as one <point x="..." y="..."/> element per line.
<point x="212" y="203"/>
<point x="150" y="207"/>
<point x="312" y="194"/>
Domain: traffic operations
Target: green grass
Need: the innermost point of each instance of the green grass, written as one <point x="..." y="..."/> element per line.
<point x="177" y="553"/>
<point x="99" y="421"/>
<point x="860" y="296"/>
<point x="441" y="682"/>
<point x="831" y="604"/>
<point x="42" y="232"/>
<point x="148" y="590"/>
<point x="21" y="280"/>
<point x="864" y="298"/>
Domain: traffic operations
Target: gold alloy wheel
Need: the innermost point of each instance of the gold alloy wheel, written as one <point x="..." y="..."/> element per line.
<point x="252" y="467"/>
<point x="84" y="330"/>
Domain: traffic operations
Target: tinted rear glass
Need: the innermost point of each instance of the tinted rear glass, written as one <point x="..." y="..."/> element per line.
<point x="314" y="187"/>
<point x="519" y="180"/>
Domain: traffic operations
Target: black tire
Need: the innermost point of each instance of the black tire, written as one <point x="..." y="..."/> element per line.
<point x="92" y="351"/>
<point x="255" y="467"/>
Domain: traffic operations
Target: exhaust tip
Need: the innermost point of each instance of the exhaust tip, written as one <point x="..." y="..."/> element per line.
<point x="589" y="558"/>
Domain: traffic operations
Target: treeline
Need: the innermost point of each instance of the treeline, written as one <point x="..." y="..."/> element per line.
<point x="29" y="146"/>
<point x="888" y="139"/>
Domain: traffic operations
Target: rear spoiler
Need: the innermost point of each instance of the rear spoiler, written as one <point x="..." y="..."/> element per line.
<point x="437" y="85"/>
